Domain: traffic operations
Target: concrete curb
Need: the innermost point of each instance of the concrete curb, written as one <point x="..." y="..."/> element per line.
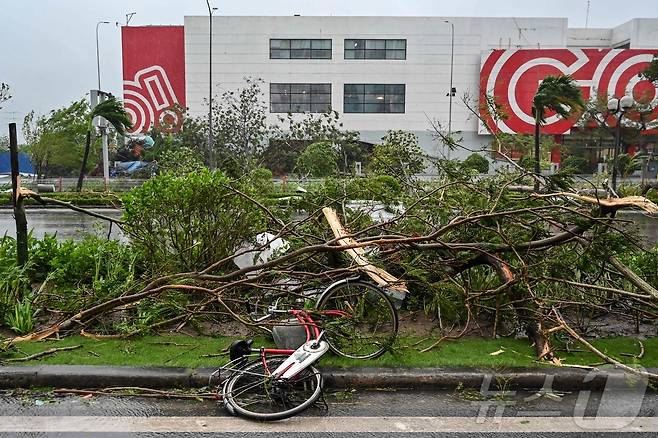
<point x="86" y="377"/>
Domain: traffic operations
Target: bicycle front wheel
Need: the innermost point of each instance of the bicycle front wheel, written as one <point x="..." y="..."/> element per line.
<point x="253" y="393"/>
<point x="359" y="319"/>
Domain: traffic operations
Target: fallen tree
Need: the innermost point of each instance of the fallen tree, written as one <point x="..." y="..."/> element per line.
<point x="472" y="245"/>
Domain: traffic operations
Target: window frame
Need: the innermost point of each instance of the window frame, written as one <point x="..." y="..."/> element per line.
<point x="313" y="53"/>
<point x="326" y="106"/>
<point x="374" y="53"/>
<point x="363" y="95"/>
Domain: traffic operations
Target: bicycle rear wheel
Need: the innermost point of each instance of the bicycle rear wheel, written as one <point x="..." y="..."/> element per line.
<point x="253" y="393"/>
<point x="359" y="319"/>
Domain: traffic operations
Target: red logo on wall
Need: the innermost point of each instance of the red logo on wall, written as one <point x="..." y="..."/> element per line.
<point x="513" y="76"/>
<point x="154" y="76"/>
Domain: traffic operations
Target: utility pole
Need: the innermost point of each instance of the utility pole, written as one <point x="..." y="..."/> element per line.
<point x="452" y="66"/>
<point x="102" y="125"/>
<point x="211" y="160"/>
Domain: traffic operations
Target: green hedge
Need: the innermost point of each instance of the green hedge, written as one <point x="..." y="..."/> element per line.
<point x="96" y="199"/>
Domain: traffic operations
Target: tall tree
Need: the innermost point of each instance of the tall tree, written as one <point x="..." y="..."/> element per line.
<point x="4" y="93"/>
<point x="55" y="142"/>
<point x="559" y="94"/>
<point x="295" y="132"/>
<point x="240" y="128"/>
<point x="112" y="111"/>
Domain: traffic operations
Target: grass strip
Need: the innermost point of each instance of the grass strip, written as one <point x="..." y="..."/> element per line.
<point x="193" y="352"/>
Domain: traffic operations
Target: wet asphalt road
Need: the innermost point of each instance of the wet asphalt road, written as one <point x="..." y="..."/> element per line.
<point x="458" y="414"/>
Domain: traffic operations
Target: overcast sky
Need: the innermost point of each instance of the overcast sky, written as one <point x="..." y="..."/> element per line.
<point x="48" y="51"/>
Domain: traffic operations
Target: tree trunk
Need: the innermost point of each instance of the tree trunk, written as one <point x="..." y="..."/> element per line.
<point x="19" y="205"/>
<point x="84" y="161"/>
<point x="537" y="155"/>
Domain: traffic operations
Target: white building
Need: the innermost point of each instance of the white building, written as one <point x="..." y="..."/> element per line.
<point x="386" y="73"/>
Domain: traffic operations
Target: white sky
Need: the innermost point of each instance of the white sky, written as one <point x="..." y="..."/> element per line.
<point x="48" y="49"/>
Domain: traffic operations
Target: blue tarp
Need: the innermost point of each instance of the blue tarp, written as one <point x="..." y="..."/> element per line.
<point x="131" y="166"/>
<point x="24" y="164"/>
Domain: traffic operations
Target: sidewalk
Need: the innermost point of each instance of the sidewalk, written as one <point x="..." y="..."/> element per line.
<point x="91" y="376"/>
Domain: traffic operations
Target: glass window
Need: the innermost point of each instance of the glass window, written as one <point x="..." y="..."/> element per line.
<point x="375" y="44"/>
<point x="354" y="88"/>
<point x="300" y="98"/>
<point x="320" y="54"/>
<point x="376" y="49"/>
<point x="320" y="107"/>
<point x="300" y="44"/>
<point x="396" y="54"/>
<point x="321" y="44"/>
<point x="374" y="98"/>
<point x="300" y="53"/>
<point x="396" y="44"/>
<point x="300" y="49"/>
<point x="300" y="88"/>
<point x="320" y="88"/>
<point x="280" y="88"/>
<point x="353" y="108"/>
<point x="279" y="54"/>
<point x="375" y="88"/>
<point x="279" y="44"/>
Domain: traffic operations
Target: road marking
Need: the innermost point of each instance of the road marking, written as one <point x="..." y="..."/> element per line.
<point x="327" y="424"/>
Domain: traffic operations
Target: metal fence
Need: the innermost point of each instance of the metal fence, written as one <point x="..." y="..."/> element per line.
<point x="95" y="184"/>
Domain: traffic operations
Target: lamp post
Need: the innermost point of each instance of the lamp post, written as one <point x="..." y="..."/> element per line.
<point x="452" y="65"/>
<point x="101" y="123"/>
<point x="98" y="58"/>
<point x="619" y="108"/>
<point x="211" y="161"/>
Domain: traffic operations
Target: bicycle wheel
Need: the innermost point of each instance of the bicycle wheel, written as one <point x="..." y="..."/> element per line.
<point x="359" y="319"/>
<point x="253" y="393"/>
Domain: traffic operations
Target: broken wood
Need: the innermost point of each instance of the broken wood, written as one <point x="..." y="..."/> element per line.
<point x="42" y="354"/>
<point x="651" y="376"/>
<point x="378" y="275"/>
<point x="614" y="203"/>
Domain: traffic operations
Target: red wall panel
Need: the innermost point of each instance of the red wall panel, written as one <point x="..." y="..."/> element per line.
<point x="154" y="76"/>
<point x="511" y="78"/>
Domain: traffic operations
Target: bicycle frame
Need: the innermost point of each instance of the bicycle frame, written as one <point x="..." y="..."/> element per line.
<point x="313" y="335"/>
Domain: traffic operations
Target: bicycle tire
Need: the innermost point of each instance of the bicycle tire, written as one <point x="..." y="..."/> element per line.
<point x="371" y="324"/>
<point x="251" y="393"/>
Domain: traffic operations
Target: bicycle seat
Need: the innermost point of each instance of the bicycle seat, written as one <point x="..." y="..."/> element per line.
<point x="240" y="348"/>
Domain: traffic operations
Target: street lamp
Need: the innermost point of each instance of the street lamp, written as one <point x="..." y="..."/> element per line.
<point x="210" y="133"/>
<point x="452" y="65"/>
<point x="98" y="59"/>
<point x="451" y="93"/>
<point x="619" y="108"/>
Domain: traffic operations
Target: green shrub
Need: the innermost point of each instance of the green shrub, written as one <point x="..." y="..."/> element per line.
<point x="75" y="198"/>
<point x="477" y="162"/>
<point x="261" y="181"/>
<point x="318" y="160"/>
<point x="14" y="280"/>
<point x="527" y="162"/>
<point x="398" y="155"/>
<point x="180" y="161"/>
<point x="188" y="222"/>
<point x="574" y="164"/>
<point x="21" y="319"/>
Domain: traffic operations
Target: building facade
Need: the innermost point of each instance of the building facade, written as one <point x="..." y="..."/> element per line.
<point x="384" y="73"/>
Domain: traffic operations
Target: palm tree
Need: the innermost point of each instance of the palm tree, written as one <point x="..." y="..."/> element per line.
<point x="559" y="94"/>
<point x="112" y="111"/>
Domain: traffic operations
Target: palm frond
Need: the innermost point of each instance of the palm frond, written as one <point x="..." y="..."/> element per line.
<point x="560" y="94"/>
<point x="112" y="111"/>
